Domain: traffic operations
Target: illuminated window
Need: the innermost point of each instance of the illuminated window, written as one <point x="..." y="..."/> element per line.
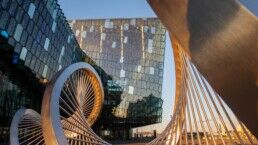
<point x="62" y="51"/>
<point x="44" y="74"/>
<point x="153" y="30"/>
<point x="114" y="44"/>
<point x="103" y="36"/>
<point x="54" y="14"/>
<point x="91" y="28"/>
<point x="46" y="45"/>
<point x="122" y="73"/>
<point x="122" y="60"/>
<point x="150" y="45"/>
<point x="146" y="28"/>
<point x="18" y="32"/>
<point x="60" y="59"/>
<point x="72" y="23"/>
<point x="151" y="70"/>
<point x="131" y="90"/>
<point x="133" y="22"/>
<point x="77" y="32"/>
<point x="23" y="53"/>
<point x="126" y="27"/>
<point x="61" y="54"/>
<point x="84" y="34"/>
<point x="69" y="39"/>
<point x="60" y="67"/>
<point x="108" y="24"/>
<point x="31" y="10"/>
<point x="125" y="39"/>
<point x="54" y="26"/>
<point x="139" y="68"/>
<point x="111" y="25"/>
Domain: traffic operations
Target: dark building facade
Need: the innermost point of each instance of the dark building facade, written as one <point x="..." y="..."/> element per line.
<point x="35" y="42"/>
<point x="131" y="52"/>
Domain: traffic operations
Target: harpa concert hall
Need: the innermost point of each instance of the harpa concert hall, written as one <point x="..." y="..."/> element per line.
<point x="131" y="51"/>
<point x="36" y="41"/>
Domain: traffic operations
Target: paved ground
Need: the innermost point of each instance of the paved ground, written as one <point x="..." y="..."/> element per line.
<point x="133" y="144"/>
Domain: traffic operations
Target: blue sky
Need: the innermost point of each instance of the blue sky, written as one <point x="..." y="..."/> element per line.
<point x="93" y="9"/>
<point x="252" y="5"/>
<point x="82" y="9"/>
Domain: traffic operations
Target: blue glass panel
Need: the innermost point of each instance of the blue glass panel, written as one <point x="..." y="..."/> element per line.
<point x="15" y="58"/>
<point x="4" y="33"/>
<point x="31" y="10"/>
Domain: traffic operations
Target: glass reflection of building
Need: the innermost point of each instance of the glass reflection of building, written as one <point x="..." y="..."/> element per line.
<point x="35" y="42"/>
<point x="131" y="51"/>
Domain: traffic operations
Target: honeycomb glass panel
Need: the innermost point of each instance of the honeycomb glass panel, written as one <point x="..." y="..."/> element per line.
<point x="18" y="32"/>
<point x="46" y="45"/>
<point x="23" y="53"/>
<point x="31" y="10"/>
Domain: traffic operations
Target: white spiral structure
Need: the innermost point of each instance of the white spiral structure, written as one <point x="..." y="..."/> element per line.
<point x="71" y="104"/>
<point x="26" y="128"/>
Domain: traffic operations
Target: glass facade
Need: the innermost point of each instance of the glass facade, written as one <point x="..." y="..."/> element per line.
<point x="35" y="42"/>
<point x="131" y="53"/>
<point x="39" y="34"/>
<point x="12" y="98"/>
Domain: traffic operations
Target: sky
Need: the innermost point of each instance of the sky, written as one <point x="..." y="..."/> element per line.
<point x="83" y="9"/>
<point x="252" y="5"/>
<point x="92" y="9"/>
<point x="95" y="9"/>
